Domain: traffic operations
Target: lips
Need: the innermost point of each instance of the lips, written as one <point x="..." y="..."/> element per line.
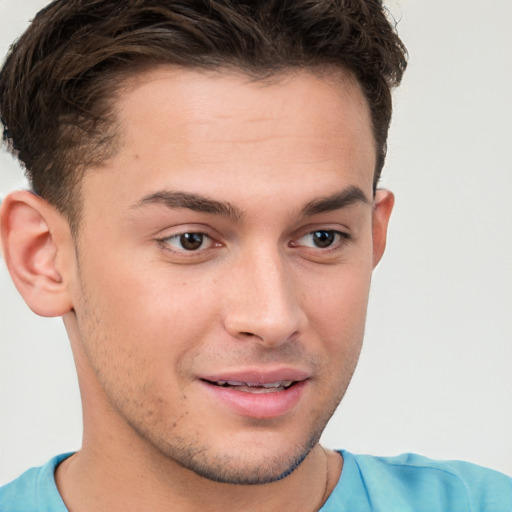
<point x="258" y="394"/>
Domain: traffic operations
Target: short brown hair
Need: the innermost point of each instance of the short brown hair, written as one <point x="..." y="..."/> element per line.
<point x="60" y="77"/>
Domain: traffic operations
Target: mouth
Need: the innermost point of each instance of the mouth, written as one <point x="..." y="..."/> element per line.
<point x="255" y="394"/>
<point x="253" y="387"/>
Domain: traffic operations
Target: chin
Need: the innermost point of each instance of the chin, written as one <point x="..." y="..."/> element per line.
<point x="241" y="471"/>
<point x="248" y="465"/>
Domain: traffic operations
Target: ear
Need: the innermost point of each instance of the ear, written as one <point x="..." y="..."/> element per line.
<point x="36" y="241"/>
<point x="382" y="208"/>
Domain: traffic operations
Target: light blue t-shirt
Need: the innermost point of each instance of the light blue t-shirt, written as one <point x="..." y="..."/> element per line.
<point x="407" y="483"/>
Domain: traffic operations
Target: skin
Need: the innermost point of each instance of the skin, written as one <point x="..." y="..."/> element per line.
<point x="148" y="319"/>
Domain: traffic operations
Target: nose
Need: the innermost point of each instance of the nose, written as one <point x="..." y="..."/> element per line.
<point x="262" y="302"/>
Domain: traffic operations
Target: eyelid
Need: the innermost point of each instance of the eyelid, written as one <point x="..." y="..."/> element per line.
<point x="342" y="236"/>
<point x="182" y="229"/>
<point x="174" y="233"/>
<point x="166" y="240"/>
<point x="343" y="230"/>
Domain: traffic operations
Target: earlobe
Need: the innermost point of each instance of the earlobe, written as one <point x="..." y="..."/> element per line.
<point x="34" y="238"/>
<point x="383" y="206"/>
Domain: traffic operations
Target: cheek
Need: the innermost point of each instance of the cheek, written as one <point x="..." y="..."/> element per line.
<point x="337" y="313"/>
<point x="139" y="330"/>
<point x="339" y="299"/>
<point x="142" y="301"/>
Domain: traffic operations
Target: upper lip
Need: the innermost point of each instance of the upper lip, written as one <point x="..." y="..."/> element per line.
<point x="258" y="376"/>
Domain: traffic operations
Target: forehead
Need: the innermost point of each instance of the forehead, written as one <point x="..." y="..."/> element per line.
<point x="315" y="100"/>
<point x="181" y="128"/>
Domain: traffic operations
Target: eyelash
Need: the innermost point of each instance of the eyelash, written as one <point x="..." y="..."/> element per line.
<point x="165" y="242"/>
<point x="338" y="239"/>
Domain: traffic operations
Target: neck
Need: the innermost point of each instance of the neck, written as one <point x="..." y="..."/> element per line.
<point x="134" y="483"/>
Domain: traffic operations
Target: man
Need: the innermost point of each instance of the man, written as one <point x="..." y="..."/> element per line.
<point x="205" y="217"/>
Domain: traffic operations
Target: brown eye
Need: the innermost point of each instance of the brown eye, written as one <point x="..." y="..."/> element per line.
<point x="323" y="239"/>
<point x="191" y="241"/>
<point x="188" y="242"/>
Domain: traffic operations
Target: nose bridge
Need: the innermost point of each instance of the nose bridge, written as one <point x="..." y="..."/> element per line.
<point x="263" y="302"/>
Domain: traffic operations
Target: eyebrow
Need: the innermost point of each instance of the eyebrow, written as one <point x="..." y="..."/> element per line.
<point x="190" y="201"/>
<point x="199" y="203"/>
<point x="336" y="201"/>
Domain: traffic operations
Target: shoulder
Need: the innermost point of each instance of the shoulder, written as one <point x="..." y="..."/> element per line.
<point x="412" y="482"/>
<point x="412" y="470"/>
<point x="34" y="491"/>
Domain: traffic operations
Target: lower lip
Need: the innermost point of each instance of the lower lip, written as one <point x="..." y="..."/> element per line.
<point x="259" y="405"/>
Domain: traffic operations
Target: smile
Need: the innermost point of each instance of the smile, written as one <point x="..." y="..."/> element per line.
<point x="257" y="395"/>
<point x="251" y="387"/>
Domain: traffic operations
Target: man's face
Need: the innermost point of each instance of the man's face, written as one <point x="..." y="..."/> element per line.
<point x="224" y="263"/>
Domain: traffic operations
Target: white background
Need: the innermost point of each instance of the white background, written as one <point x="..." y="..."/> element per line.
<point x="435" y="374"/>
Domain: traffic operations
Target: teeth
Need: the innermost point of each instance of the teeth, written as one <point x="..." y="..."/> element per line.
<point x="269" y="385"/>
<point x="259" y="390"/>
<point x="280" y="384"/>
<point x="272" y="385"/>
